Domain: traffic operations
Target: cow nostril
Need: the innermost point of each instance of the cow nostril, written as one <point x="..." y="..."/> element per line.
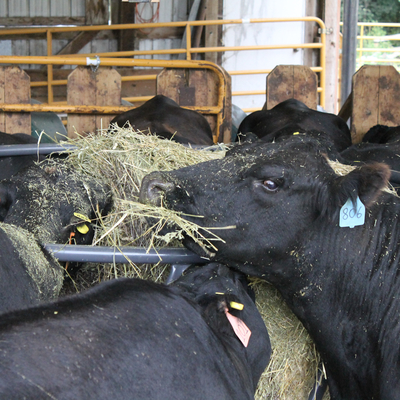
<point x="152" y="190"/>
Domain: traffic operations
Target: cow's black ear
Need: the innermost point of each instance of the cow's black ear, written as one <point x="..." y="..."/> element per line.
<point x="365" y="182"/>
<point x="213" y="311"/>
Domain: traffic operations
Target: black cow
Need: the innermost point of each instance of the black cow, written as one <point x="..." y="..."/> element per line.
<point x="10" y="165"/>
<point x="165" y="118"/>
<point x="382" y="134"/>
<point x="285" y="203"/>
<point x="51" y="199"/>
<point x="28" y="274"/>
<point x="135" y="339"/>
<point x="294" y="117"/>
<point x="366" y="152"/>
<point x="45" y="203"/>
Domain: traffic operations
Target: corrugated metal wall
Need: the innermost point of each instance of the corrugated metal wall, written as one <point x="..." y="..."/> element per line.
<point x="38" y="8"/>
<point x="165" y="11"/>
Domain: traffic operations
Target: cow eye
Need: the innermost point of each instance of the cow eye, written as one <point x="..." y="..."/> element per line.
<point x="270" y="185"/>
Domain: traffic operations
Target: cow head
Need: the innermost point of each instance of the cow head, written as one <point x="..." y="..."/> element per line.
<point x="51" y="200"/>
<point x="262" y="198"/>
<point x="217" y="289"/>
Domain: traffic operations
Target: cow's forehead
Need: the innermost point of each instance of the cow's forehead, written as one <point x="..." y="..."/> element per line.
<point x="284" y="155"/>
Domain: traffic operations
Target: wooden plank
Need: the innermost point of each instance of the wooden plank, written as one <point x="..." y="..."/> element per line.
<point x="108" y="93"/>
<point x="291" y="82"/>
<point x="76" y="44"/>
<point x="169" y="82"/>
<point x="198" y="87"/>
<point x="81" y="89"/>
<point x="40" y="21"/>
<point x="126" y="37"/>
<point x="17" y="90"/>
<point x="365" y="91"/>
<point x="332" y="21"/>
<point x="86" y="87"/>
<point x="305" y="86"/>
<point x="389" y="96"/>
<point x="279" y="86"/>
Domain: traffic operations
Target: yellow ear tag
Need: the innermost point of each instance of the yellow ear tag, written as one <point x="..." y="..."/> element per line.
<point x="296" y="133"/>
<point x="82" y="229"/>
<point x="236" y="306"/>
<point x="82" y="217"/>
<point x="220" y="293"/>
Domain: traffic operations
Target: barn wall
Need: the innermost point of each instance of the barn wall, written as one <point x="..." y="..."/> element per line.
<point x="260" y="34"/>
<point x="48" y="11"/>
<point x="169" y="11"/>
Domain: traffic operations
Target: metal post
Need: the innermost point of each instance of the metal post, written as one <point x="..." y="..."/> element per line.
<point x="349" y="46"/>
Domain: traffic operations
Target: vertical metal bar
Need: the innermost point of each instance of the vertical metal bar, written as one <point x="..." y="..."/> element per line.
<point x="361" y="41"/>
<point x="349" y="53"/>
<point x="323" y="67"/>
<point x="188" y="41"/>
<point x="49" y="38"/>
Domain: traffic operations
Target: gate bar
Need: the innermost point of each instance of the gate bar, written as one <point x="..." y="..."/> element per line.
<point x="110" y="254"/>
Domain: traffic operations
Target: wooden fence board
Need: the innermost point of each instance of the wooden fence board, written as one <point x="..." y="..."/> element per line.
<point x="81" y="90"/>
<point x="198" y="87"/>
<point x="389" y="96"/>
<point x="108" y="93"/>
<point x="86" y="87"/>
<point x="291" y="82"/>
<point x="375" y="99"/>
<point x="15" y="85"/>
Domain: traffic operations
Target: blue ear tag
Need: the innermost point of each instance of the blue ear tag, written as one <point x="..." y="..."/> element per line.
<point x="351" y="216"/>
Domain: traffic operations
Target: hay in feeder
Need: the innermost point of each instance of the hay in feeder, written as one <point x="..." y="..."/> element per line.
<point x="124" y="157"/>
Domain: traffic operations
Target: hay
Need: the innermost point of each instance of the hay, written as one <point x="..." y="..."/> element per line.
<point x="292" y="370"/>
<point x="124" y="158"/>
<point x="44" y="270"/>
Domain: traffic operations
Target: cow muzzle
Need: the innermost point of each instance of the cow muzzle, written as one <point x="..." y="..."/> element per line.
<point x="153" y="189"/>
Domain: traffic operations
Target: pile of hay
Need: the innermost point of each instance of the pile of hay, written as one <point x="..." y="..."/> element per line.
<point x="124" y="157"/>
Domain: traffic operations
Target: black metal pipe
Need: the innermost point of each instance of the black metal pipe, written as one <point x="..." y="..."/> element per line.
<point x="8" y="150"/>
<point x="349" y="46"/>
<point x="109" y="254"/>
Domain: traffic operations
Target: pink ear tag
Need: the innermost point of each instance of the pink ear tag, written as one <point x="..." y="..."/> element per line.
<point x="239" y="327"/>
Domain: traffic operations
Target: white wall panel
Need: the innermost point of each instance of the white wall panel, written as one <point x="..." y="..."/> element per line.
<point x="61" y="8"/>
<point x="18" y="8"/>
<point x="260" y="34"/>
<point x="39" y="8"/>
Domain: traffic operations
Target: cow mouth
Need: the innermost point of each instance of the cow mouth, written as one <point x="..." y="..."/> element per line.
<point x="201" y="249"/>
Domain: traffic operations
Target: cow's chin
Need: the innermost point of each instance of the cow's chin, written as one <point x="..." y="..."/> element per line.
<point x="201" y="250"/>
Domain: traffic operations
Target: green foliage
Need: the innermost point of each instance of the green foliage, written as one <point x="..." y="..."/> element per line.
<point x="379" y="11"/>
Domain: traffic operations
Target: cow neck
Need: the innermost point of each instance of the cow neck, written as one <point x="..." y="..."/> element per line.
<point x="242" y="368"/>
<point x="232" y="346"/>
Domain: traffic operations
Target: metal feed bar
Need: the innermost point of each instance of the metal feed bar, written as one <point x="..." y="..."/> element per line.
<point x="110" y="254"/>
<point x="8" y="150"/>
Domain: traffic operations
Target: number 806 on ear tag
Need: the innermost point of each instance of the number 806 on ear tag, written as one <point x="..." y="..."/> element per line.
<point x="351" y="216"/>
